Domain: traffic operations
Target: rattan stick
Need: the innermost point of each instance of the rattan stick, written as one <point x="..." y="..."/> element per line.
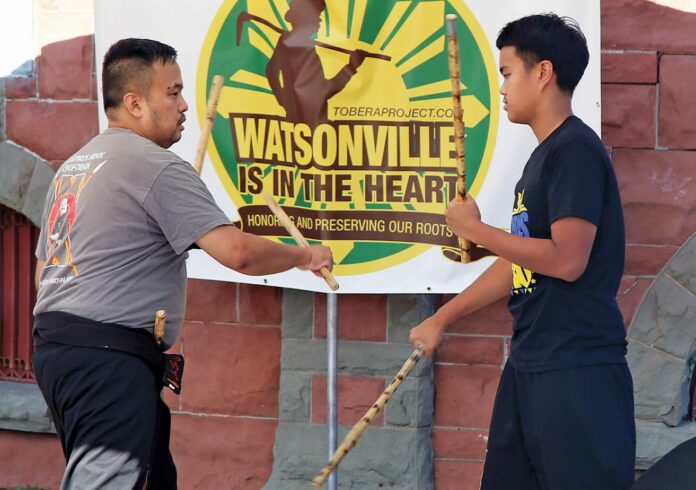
<point x="297" y="235"/>
<point x="359" y="429"/>
<point x="453" y="57"/>
<point x="160" y="320"/>
<point x="215" y="90"/>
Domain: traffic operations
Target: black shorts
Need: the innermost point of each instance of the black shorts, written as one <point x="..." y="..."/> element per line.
<point x="111" y="421"/>
<point x="571" y="429"/>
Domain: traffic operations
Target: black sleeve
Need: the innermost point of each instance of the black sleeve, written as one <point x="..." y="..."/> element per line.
<point x="576" y="183"/>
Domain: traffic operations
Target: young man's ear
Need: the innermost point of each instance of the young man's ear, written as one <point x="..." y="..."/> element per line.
<point x="545" y="68"/>
<point x="133" y="103"/>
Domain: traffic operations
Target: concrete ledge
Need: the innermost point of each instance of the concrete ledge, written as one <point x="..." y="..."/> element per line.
<point x="356" y="358"/>
<point x="661" y="345"/>
<point x="396" y="456"/>
<point x="660" y="384"/>
<point x="25" y="181"/>
<point x="655" y="439"/>
<point x="23" y="408"/>
<point x="35" y="196"/>
<point x="298" y="314"/>
<point x="405" y="311"/>
<point x="295" y="396"/>
<point x="386" y="458"/>
<point x="413" y="404"/>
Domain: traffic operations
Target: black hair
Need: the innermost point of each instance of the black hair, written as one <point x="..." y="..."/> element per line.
<point x="128" y="66"/>
<point x="549" y="37"/>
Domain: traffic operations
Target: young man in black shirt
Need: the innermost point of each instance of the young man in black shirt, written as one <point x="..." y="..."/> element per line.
<point x="563" y="415"/>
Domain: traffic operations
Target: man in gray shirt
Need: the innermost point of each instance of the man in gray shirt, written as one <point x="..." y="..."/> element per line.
<point x="118" y="220"/>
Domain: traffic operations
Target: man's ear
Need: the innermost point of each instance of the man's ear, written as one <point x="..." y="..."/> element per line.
<point x="134" y="104"/>
<point x="545" y="71"/>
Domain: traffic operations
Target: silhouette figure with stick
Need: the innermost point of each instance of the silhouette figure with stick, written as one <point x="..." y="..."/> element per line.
<point x="304" y="90"/>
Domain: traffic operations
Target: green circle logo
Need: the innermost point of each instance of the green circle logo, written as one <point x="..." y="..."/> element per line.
<point x="341" y="109"/>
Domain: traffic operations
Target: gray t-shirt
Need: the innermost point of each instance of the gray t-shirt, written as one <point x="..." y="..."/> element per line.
<point x="118" y="219"/>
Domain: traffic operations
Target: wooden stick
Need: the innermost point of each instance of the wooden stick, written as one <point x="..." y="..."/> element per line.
<point x="160" y="320"/>
<point x="359" y="429"/>
<point x="453" y="56"/>
<point x="246" y="16"/>
<point x="297" y="235"/>
<point x="215" y="90"/>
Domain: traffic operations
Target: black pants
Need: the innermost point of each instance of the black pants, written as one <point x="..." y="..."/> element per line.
<point x="111" y="421"/>
<point x="571" y="429"/>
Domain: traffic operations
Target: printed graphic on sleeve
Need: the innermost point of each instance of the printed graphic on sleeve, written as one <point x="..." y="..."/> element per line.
<point x="68" y="185"/>
<point x="523" y="280"/>
<point x="341" y="109"/>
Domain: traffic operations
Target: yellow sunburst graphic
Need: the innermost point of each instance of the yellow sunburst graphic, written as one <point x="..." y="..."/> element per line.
<point x="411" y="37"/>
<point x="376" y="83"/>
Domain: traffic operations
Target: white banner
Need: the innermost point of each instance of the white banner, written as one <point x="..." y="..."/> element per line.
<point x="358" y="149"/>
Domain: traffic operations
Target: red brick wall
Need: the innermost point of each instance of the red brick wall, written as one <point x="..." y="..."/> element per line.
<point x="224" y="423"/>
<point x="649" y="57"/>
<point x="30" y="460"/>
<point x="54" y="112"/>
<point x="467" y="370"/>
<point x="358" y="317"/>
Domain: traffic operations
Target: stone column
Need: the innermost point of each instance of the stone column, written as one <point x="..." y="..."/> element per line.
<point x="397" y="451"/>
<point x="661" y="354"/>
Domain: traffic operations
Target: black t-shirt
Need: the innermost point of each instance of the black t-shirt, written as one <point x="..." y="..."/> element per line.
<point x="559" y="324"/>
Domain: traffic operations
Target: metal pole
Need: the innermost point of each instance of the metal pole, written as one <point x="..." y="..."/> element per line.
<point x="331" y="380"/>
